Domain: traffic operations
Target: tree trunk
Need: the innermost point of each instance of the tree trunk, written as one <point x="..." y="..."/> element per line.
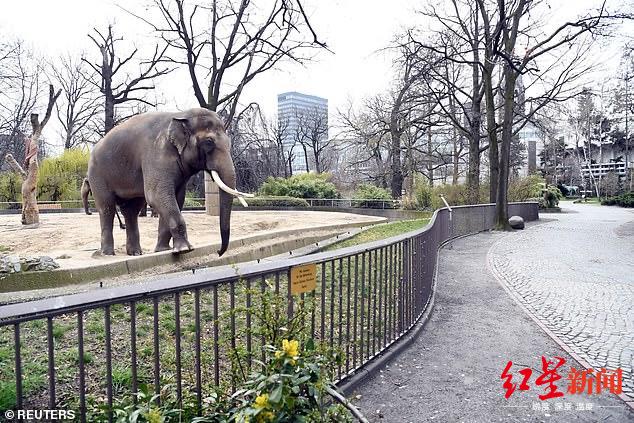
<point x="501" y="205"/>
<point x="30" y="212"/>
<point x="396" y="185"/>
<point x="473" y="173"/>
<point x="493" y="137"/>
<point x="430" y="164"/>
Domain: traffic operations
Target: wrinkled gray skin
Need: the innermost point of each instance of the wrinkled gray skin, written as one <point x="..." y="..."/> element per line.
<point x="152" y="156"/>
<point x="85" y="192"/>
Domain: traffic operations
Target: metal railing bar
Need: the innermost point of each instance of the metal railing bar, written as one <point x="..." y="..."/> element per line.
<point x="348" y="288"/>
<point x="51" y="364"/>
<point x="216" y="349"/>
<point x="177" y="338"/>
<point x="18" y="365"/>
<point x="157" y="365"/>
<point x="248" y="322"/>
<point x="197" y="353"/>
<point x="82" y="371"/>
<point x="354" y="317"/>
<point x="133" y="358"/>
<point x="340" y="325"/>
<point x="108" y="342"/>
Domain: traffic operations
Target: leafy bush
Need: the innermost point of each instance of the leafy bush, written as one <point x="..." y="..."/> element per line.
<point x="293" y="382"/>
<point x="371" y="192"/>
<point x="521" y="189"/>
<point x="423" y="195"/>
<point x="550" y="197"/>
<point x="273" y="202"/>
<point x="189" y="200"/>
<point x="623" y="200"/>
<point x="60" y="177"/>
<point x="10" y="187"/>
<point x="306" y="185"/>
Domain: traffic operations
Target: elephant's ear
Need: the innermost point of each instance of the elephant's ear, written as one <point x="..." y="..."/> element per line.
<point x="179" y="132"/>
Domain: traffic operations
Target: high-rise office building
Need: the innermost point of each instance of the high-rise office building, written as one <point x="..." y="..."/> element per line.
<point x="294" y="110"/>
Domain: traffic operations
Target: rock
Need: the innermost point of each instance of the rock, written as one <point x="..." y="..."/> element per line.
<point x="516" y="222"/>
<point x="15" y="264"/>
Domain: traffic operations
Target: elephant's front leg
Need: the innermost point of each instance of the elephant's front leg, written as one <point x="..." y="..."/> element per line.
<point x="164" y="235"/>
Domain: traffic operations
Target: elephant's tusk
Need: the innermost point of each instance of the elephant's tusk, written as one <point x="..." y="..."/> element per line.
<point x="243" y="201"/>
<point x="225" y="188"/>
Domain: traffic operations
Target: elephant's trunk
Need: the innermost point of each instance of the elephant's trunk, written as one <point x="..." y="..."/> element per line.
<point x="226" y="176"/>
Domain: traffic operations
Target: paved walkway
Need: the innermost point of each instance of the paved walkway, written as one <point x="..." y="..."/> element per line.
<point x="451" y="373"/>
<point x="576" y="275"/>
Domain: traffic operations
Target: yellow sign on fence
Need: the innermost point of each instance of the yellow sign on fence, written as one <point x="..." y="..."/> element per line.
<point x="303" y="278"/>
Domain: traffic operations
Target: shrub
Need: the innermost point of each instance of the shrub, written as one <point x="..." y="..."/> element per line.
<point x="456" y="195"/>
<point x="60" y="177"/>
<point x="424" y="197"/>
<point x="523" y="188"/>
<point x="293" y="382"/>
<point x="306" y="185"/>
<point x="372" y="192"/>
<point x="189" y="200"/>
<point x="550" y="197"/>
<point x="623" y="200"/>
<point x="273" y="202"/>
<point x="10" y="187"/>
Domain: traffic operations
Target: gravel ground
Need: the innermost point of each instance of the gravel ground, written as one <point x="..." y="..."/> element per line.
<point x="451" y="373"/>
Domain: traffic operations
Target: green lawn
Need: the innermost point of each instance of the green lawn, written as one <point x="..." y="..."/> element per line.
<point x="380" y="232"/>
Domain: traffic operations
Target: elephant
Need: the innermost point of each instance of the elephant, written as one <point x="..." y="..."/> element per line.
<point x="85" y="192"/>
<point x="151" y="156"/>
<point x="143" y="212"/>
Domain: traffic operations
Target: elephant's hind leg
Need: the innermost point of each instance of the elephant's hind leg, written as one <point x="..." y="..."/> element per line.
<point x="106" y="218"/>
<point x="130" y="210"/>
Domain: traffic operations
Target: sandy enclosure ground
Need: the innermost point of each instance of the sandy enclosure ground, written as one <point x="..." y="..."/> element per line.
<point x="76" y="236"/>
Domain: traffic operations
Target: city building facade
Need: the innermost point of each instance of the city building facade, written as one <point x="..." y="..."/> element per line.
<point x="293" y="110"/>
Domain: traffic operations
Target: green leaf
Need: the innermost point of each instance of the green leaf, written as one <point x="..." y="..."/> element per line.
<point x="276" y="395"/>
<point x="310" y="344"/>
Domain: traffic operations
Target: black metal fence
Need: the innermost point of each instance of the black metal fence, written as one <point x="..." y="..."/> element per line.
<point x="79" y="351"/>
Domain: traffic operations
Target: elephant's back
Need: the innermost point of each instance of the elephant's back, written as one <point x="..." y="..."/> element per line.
<point x="115" y="162"/>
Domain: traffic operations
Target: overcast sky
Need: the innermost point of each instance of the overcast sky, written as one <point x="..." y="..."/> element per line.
<point x="354" y="29"/>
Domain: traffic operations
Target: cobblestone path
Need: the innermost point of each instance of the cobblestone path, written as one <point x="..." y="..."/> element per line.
<point x="575" y="273"/>
<point x="451" y="371"/>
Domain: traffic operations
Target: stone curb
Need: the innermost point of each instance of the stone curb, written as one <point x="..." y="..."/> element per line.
<point x="61" y="277"/>
<point x="514" y="296"/>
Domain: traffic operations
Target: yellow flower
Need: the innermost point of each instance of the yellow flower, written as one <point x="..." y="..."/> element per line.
<point x="291" y="348"/>
<point x="278" y="354"/>
<point x="265" y="416"/>
<point x="153" y="415"/>
<point x="262" y="401"/>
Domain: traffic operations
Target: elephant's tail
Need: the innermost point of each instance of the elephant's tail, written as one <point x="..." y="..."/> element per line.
<point x="85" y="191"/>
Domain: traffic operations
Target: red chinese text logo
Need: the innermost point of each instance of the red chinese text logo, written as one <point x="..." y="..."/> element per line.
<point x="580" y="381"/>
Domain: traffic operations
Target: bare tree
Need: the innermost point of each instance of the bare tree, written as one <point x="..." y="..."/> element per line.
<point x="18" y="96"/>
<point x="231" y="43"/>
<point x="312" y="131"/>
<point x="117" y="85"/>
<point x="559" y="81"/>
<point x="458" y="43"/>
<point x="367" y="140"/>
<point x="30" y="212"/>
<point x="80" y="102"/>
